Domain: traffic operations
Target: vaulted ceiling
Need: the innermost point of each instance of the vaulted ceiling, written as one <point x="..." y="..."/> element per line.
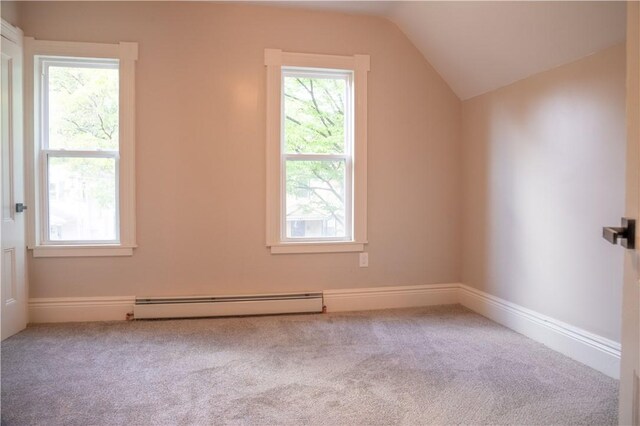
<point x="479" y="46"/>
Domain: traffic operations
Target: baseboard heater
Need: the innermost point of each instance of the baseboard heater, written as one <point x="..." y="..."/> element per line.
<point x="222" y="306"/>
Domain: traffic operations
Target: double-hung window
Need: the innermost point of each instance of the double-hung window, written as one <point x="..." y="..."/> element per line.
<point x="316" y="152"/>
<point x="82" y="178"/>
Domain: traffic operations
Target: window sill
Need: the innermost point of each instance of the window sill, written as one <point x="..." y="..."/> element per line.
<point x="329" y="247"/>
<point x="82" y="251"/>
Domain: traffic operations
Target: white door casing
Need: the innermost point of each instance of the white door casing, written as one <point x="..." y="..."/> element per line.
<point x="13" y="280"/>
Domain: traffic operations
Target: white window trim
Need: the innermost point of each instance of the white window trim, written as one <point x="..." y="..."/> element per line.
<point x="274" y="60"/>
<point x="127" y="54"/>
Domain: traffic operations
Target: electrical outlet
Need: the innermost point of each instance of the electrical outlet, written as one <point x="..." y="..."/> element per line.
<point x="364" y="260"/>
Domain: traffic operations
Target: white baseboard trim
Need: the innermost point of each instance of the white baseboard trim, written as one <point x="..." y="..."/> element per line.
<point x="595" y="351"/>
<point x="363" y="299"/>
<point x="79" y="309"/>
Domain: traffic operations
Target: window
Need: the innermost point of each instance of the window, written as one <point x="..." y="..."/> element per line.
<point x="82" y="179"/>
<point x="316" y="152"/>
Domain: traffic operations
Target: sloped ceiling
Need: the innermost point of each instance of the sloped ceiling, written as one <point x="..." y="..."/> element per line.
<point x="479" y="46"/>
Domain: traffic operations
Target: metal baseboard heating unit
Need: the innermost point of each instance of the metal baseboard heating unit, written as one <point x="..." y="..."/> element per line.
<point x="223" y="306"/>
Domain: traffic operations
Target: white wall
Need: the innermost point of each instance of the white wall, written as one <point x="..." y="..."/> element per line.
<point x="543" y="172"/>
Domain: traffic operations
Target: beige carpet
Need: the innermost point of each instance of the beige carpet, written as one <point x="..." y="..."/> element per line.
<point x="443" y="365"/>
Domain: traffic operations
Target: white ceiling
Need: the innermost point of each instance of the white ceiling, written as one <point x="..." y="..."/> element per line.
<point x="479" y="46"/>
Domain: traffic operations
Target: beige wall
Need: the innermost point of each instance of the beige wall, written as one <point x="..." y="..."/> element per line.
<point x="543" y="172"/>
<point x="201" y="152"/>
<point x="10" y="12"/>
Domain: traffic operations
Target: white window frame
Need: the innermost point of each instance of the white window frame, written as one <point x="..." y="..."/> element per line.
<point x="37" y="231"/>
<point x="278" y="63"/>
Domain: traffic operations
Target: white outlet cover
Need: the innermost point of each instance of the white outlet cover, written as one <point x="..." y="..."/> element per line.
<point x="364" y="260"/>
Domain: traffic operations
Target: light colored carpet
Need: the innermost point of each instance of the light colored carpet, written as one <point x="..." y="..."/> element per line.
<point x="443" y="365"/>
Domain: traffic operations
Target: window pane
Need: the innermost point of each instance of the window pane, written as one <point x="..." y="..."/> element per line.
<point x="82" y="199"/>
<point x="314" y="111"/>
<point x="83" y="107"/>
<point x="315" y="203"/>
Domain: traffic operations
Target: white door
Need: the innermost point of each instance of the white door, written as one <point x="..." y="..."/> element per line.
<point x="630" y="369"/>
<point x="12" y="232"/>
